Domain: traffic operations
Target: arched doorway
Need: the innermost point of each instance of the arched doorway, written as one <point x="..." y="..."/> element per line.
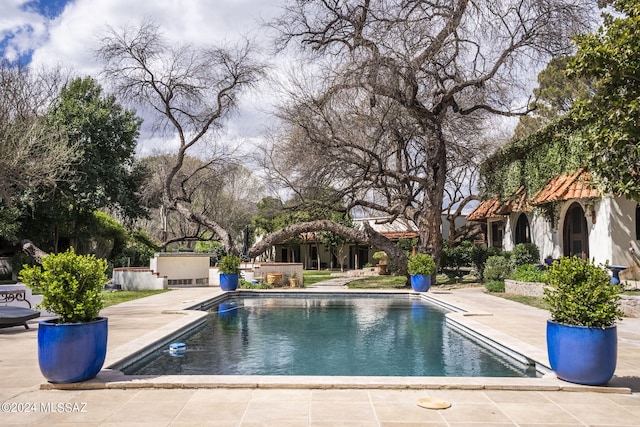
<point x="575" y="237"/>
<point x="522" y="233"/>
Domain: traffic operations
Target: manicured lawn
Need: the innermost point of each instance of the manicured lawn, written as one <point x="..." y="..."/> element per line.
<point x="117" y="297"/>
<point x="450" y="278"/>
<point x="523" y="299"/>
<point x="314" y="276"/>
<point x="379" y="282"/>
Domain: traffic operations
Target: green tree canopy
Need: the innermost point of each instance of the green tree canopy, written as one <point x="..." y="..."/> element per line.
<point x="106" y="174"/>
<point x="610" y="120"/>
<point x="106" y="136"/>
<point x="555" y="95"/>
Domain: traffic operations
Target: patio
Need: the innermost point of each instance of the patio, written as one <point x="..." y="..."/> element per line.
<point x="263" y="401"/>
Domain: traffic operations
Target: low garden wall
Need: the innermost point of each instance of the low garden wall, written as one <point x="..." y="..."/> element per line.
<point x="138" y="279"/>
<point x="533" y="289"/>
<point x="629" y="304"/>
<point x="287" y="269"/>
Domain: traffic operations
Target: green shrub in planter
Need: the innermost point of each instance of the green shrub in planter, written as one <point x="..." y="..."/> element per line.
<point x="229" y="264"/>
<point x="421" y="265"/>
<point x="497" y="267"/>
<point x="582" y="343"/>
<point x="580" y="293"/>
<point x="71" y="285"/>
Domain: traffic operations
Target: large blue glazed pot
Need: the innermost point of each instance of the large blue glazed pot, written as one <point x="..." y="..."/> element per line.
<point x="420" y="283"/>
<point x="71" y="352"/>
<point x="581" y="354"/>
<point x="228" y="282"/>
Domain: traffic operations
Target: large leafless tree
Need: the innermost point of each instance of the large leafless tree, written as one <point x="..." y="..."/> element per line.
<point x="34" y="156"/>
<point x="190" y="91"/>
<point x="406" y="88"/>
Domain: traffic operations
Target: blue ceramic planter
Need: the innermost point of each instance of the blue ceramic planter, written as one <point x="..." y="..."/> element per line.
<point x="228" y="282"/>
<point x="71" y="352"/>
<point x="580" y="354"/>
<point x="228" y="309"/>
<point x="420" y="283"/>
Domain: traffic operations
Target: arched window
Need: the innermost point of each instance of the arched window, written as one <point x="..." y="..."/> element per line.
<point x="522" y="231"/>
<point x="575" y="235"/>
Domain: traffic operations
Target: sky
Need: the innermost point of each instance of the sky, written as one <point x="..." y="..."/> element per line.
<point x="65" y="33"/>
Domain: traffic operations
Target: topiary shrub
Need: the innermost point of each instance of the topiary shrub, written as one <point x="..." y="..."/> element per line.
<point x="525" y="253"/>
<point x="580" y="293"/>
<point x="229" y="264"/>
<point x="421" y="265"/>
<point x="71" y="285"/>
<point x="497" y="267"/>
<point x="494" y="286"/>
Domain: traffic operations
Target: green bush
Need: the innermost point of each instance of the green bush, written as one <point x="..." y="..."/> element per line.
<point x="580" y="293"/>
<point x="528" y="273"/>
<point x="525" y="253"/>
<point x="494" y="285"/>
<point x="458" y="256"/>
<point x="479" y="255"/>
<point x="497" y="267"/>
<point x="229" y="264"/>
<point x="71" y="285"/>
<point x="421" y="264"/>
<point x="244" y="284"/>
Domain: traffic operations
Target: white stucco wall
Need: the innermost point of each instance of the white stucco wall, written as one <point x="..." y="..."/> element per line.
<point x="509" y="232"/>
<point x="182" y="266"/>
<point x="138" y="279"/>
<point x="542" y="235"/>
<point x="624" y="247"/>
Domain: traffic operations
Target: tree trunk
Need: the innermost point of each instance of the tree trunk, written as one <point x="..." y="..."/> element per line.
<point x="33" y="251"/>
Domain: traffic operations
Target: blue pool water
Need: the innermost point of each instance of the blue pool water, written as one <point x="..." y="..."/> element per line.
<point x="355" y="336"/>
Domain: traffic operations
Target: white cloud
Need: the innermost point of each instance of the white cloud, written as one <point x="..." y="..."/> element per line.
<point x="71" y="39"/>
<point x="74" y="35"/>
<point x="25" y="29"/>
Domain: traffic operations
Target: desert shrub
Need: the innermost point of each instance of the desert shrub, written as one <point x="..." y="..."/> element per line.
<point x="497" y="267"/>
<point x="479" y="255"/>
<point x="528" y="273"/>
<point x="494" y="285"/>
<point x="525" y="253"/>
<point x="457" y="256"/>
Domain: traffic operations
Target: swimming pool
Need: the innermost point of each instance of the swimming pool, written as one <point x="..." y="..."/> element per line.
<point x="309" y="335"/>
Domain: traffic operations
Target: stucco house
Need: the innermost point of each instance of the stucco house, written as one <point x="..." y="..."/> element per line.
<point x="568" y="216"/>
<point x="313" y="254"/>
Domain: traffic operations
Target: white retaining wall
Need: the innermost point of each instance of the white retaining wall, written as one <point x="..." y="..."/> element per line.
<point x="138" y="279"/>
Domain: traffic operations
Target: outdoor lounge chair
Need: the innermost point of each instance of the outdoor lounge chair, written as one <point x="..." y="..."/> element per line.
<point x="16" y="316"/>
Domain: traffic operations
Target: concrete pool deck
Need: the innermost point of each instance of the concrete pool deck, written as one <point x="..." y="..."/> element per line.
<point x="113" y="399"/>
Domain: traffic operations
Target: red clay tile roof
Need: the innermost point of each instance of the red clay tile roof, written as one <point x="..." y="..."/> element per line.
<point x="492" y="208"/>
<point x="517" y="202"/>
<point x="565" y="187"/>
<point x="393" y="235"/>
<point x="486" y="209"/>
<point x="562" y="187"/>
